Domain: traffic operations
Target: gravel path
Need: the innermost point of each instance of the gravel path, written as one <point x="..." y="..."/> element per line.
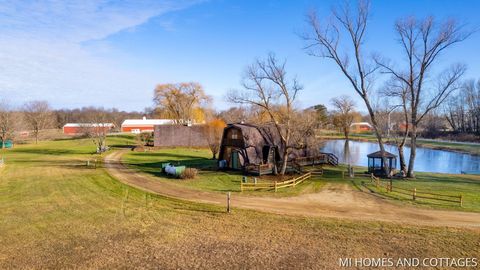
<point x="335" y="200"/>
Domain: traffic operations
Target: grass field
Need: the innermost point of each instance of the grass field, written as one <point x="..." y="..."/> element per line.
<point x="209" y="178"/>
<point x="212" y="180"/>
<point x="453" y="185"/>
<point x="57" y="213"/>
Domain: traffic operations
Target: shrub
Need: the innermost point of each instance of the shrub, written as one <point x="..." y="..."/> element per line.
<point x="189" y="173"/>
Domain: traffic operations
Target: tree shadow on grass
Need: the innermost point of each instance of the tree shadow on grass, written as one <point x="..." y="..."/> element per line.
<point x="447" y="179"/>
<point x="198" y="163"/>
<point x="53" y="152"/>
<point x="170" y="155"/>
<point x="210" y="211"/>
<point x="122" y="146"/>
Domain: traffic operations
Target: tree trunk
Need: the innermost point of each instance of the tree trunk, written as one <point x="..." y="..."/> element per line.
<point x="401" y="155"/>
<point x="284" y="163"/>
<point x="346" y="132"/>
<point x="413" y="151"/>
<point x="214" y="155"/>
<point x="371" y="112"/>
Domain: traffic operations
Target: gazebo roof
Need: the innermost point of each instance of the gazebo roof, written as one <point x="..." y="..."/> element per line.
<point x="381" y="154"/>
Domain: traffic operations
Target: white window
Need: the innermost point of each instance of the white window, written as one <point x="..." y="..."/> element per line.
<point x="234" y="134"/>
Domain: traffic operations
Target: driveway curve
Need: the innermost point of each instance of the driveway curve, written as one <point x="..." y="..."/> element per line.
<point x="334" y="201"/>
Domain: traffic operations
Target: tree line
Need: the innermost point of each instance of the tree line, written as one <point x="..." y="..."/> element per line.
<point x="35" y="116"/>
<point x="413" y="89"/>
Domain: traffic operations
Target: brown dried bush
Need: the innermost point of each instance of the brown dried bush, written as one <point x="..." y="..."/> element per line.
<point x="189" y="173"/>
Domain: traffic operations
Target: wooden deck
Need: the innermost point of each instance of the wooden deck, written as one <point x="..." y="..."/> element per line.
<point x="294" y="165"/>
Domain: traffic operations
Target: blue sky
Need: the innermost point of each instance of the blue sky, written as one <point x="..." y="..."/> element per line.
<point x="113" y="53"/>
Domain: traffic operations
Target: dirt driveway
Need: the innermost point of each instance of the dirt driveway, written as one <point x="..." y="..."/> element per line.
<point x="337" y="201"/>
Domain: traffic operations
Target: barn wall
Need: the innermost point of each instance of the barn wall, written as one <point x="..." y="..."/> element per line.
<point x="71" y="130"/>
<point x="80" y="130"/>
<point x="140" y="127"/>
<point x="179" y="135"/>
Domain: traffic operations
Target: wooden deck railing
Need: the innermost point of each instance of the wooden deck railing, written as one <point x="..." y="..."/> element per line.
<point x="275" y="185"/>
<point x="323" y="158"/>
<point x="259" y="169"/>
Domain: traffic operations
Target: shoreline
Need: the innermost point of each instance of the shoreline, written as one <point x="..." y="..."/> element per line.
<point x="457" y="147"/>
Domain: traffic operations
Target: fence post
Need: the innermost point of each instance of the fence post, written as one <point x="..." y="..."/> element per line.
<point x="391" y="185"/>
<point x="275" y="186"/>
<point x="88" y="163"/>
<point x="255" y="180"/>
<point x="228" y="202"/>
<point x="414" y="193"/>
<point x="461" y="200"/>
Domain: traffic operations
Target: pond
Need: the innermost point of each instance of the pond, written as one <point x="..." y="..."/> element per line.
<point x="427" y="160"/>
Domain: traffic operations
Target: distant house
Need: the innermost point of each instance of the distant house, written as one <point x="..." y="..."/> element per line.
<point x="361" y="127"/>
<point x="143" y="125"/>
<point x="80" y="128"/>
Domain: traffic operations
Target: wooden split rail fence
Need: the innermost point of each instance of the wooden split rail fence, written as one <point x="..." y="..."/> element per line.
<point x="417" y="194"/>
<point x="275" y="185"/>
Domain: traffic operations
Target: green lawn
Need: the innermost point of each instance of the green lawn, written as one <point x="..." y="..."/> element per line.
<point x="445" y="184"/>
<point x="209" y="178"/>
<point x="57" y="213"/>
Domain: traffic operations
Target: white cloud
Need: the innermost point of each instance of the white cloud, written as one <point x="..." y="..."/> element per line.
<point x="43" y="52"/>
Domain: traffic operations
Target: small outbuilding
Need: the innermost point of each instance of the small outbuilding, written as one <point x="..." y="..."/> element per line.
<point x="6" y="144"/>
<point x="360" y="127"/>
<point x="137" y="126"/>
<point x="375" y="162"/>
<point x="81" y="128"/>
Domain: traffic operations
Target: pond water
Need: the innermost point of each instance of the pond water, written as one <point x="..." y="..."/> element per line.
<point x="427" y="160"/>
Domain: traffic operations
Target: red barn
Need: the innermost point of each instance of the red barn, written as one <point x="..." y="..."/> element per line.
<point x="80" y="128"/>
<point x="143" y="125"/>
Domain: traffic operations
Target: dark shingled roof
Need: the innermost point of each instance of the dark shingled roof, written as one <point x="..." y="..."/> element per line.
<point x="380" y="154"/>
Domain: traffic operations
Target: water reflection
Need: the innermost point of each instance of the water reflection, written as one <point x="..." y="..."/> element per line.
<point x="428" y="160"/>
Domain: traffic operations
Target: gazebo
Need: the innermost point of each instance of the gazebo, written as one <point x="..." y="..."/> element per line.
<point x="375" y="162"/>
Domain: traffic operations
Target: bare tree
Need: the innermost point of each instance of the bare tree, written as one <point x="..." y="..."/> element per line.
<point x="344" y="113"/>
<point x="398" y="92"/>
<point x="267" y="86"/>
<point x="234" y="115"/>
<point x="7" y="122"/>
<point x="422" y="42"/>
<point x="98" y="125"/>
<point x="325" y="40"/>
<point x="304" y="125"/>
<point x="38" y="116"/>
<point x="462" y="111"/>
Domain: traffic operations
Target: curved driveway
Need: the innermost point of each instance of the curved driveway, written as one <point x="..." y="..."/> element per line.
<point x="337" y="201"/>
